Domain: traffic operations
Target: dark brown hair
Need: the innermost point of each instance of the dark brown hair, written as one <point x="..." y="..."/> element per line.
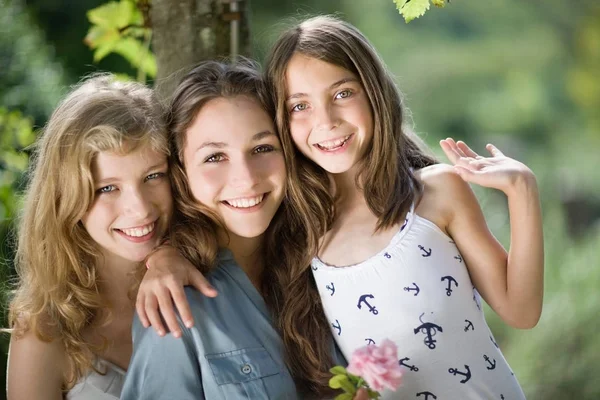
<point x="385" y="175"/>
<point x="194" y="227"/>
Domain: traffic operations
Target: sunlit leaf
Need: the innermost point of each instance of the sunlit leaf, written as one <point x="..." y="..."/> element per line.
<point x="338" y="369"/>
<point x="438" y="3"/>
<point x="113" y="14"/>
<point x="413" y="9"/>
<point x="138" y="55"/>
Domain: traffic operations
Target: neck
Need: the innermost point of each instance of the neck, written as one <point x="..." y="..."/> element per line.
<point x="344" y="187"/>
<point x="115" y="279"/>
<point x="247" y="252"/>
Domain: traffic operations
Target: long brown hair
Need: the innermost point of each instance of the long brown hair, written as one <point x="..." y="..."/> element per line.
<point x="385" y="174"/>
<point x="57" y="295"/>
<point x="194" y="227"/>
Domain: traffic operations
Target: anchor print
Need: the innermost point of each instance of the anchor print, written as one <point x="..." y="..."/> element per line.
<point x="450" y="281"/>
<point x="410" y="367"/>
<point x="491" y="364"/>
<point x="387" y="255"/>
<point x="413" y="289"/>
<point x="501" y="397"/>
<point x="426" y="253"/>
<point x="427" y="394"/>
<point x="337" y="327"/>
<point x="369" y="341"/>
<point x="495" y="344"/>
<point x="331" y="288"/>
<point x="314" y="267"/>
<point x="467" y="375"/>
<point x="459" y="258"/>
<point x="429" y="330"/>
<point x="363" y="299"/>
<point x="469" y="326"/>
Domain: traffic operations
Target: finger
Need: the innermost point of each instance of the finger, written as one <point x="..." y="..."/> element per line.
<point x="457" y="148"/>
<point x="494" y="151"/>
<point x="450" y="151"/>
<point x="182" y="305"/>
<point x="198" y="281"/>
<point x="151" y="306"/>
<point x="141" y="311"/>
<point x="168" y="312"/>
<point x="467" y="150"/>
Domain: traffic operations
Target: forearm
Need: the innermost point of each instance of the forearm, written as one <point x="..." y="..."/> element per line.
<point x="525" y="269"/>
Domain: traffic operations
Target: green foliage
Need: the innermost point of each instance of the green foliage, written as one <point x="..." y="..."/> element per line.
<point x="120" y="28"/>
<point x="411" y="9"/>
<point x="16" y="133"/>
<point x="30" y="77"/>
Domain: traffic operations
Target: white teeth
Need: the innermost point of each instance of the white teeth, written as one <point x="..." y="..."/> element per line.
<point x="333" y="144"/>
<point x="245" y="202"/>
<point x="140" y="231"/>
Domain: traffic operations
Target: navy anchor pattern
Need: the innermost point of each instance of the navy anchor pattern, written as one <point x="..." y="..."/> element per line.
<point x="429" y="329"/>
<point x="364" y="300"/>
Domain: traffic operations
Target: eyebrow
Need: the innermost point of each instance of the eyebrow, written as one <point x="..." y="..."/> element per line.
<point x="220" y="145"/>
<point x="332" y="86"/>
<point x="113" y="179"/>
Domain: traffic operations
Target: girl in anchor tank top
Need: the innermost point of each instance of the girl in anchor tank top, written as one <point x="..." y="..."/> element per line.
<point x="406" y="252"/>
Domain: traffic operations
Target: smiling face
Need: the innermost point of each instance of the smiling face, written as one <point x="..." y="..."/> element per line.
<point x="235" y="165"/>
<point x="329" y="112"/>
<point x="132" y="203"/>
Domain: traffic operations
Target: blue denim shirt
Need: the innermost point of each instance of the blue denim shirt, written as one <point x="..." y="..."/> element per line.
<point x="232" y="351"/>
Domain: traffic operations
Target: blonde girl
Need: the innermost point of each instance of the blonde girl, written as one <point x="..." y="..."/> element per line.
<point x="98" y="201"/>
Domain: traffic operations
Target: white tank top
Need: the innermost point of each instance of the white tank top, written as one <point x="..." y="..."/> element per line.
<point x="417" y="293"/>
<point x="96" y="386"/>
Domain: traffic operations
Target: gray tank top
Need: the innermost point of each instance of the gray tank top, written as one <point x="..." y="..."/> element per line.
<point x="96" y="386"/>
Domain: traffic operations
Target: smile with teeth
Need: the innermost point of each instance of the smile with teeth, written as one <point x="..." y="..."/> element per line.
<point x="333" y="144"/>
<point x="139" y="231"/>
<point x="245" y="202"/>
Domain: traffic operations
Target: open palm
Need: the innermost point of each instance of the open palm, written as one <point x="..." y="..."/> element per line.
<point x="497" y="172"/>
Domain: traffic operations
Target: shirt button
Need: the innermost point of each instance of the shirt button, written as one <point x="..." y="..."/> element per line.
<point x="246" y="369"/>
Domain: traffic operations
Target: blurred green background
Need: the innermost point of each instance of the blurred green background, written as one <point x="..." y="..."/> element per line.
<point x="523" y="75"/>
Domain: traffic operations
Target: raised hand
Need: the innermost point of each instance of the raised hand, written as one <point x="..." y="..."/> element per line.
<point x="161" y="291"/>
<point x="497" y="172"/>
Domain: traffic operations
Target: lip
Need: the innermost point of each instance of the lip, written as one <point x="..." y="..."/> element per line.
<point x="248" y="209"/>
<point x="339" y="149"/>
<point x="139" y="239"/>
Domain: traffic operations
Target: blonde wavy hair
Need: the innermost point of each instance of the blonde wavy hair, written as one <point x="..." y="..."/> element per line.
<point x="57" y="296"/>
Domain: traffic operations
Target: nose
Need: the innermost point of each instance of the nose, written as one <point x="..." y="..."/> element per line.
<point x="245" y="174"/>
<point x="137" y="204"/>
<point x="325" y="118"/>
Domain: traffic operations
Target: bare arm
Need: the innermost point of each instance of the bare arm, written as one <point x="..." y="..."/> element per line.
<point x="512" y="284"/>
<point x="161" y="291"/>
<point x="36" y="369"/>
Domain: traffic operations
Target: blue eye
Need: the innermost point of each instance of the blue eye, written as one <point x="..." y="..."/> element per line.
<point x="215" y="158"/>
<point x="344" y="94"/>
<point x="106" y="189"/>
<point x="299" y="107"/>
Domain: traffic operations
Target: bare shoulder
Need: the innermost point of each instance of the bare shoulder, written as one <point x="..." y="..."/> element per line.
<point x="444" y="192"/>
<point x="31" y="359"/>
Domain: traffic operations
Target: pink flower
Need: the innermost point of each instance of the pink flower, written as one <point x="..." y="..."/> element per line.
<point x="377" y="365"/>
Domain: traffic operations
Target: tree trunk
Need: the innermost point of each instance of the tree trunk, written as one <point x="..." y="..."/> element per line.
<point x="185" y="32"/>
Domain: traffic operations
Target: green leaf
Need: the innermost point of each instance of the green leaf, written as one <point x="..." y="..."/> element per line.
<point x="14" y="161"/>
<point x="138" y="55"/>
<point x="344" y="396"/>
<point x="100" y="36"/>
<point x="338" y="369"/>
<point x="113" y="15"/>
<point x="414" y="9"/>
<point x="438" y="3"/>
